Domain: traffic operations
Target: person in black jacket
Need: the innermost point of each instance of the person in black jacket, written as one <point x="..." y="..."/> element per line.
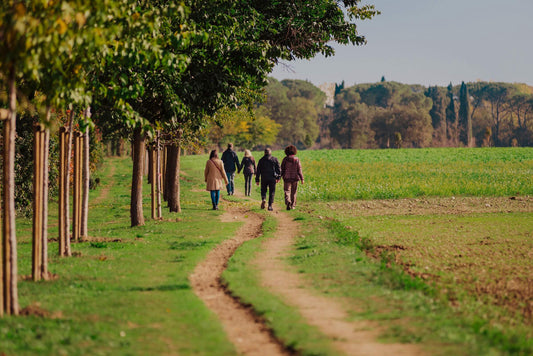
<point x="268" y="173"/>
<point x="231" y="164"/>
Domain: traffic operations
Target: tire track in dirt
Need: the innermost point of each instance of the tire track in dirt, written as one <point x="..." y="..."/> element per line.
<point x="351" y="338"/>
<point x="249" y="335"/>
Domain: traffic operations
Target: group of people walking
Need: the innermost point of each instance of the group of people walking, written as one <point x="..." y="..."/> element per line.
<point x="268" y="172"/>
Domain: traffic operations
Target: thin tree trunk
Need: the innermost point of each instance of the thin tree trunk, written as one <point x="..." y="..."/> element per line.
<point x="174" y="181"/>
<point x="163" y="170"/>
<point x="146" y="164"/>
<point x="68" y="158"/>
<point x="172" y="170"/>
<point x="38" y="172"/>
<point x="64" y="222"/>
<point x="138" y="149"/>
<point x="158" y="175"/>
<point x="86" y="174"/>
<point x="76" y="203"/>
<point x="40" y="201"/>
<point x="177" y="183"/>
<point x="9" y="239"/>
<point x="152" y="180"/>
<point x="46" y="165"/>
<point x="151" y="162"/>
<point x="61" y="204"/>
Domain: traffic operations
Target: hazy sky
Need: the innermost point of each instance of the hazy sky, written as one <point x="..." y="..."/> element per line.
<point x="431" y="42"/>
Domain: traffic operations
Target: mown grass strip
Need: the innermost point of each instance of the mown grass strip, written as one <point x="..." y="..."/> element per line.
<point x="243" y="279"/>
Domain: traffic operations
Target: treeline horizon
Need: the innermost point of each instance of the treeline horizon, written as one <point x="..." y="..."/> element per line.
<point x="394" y="115"/>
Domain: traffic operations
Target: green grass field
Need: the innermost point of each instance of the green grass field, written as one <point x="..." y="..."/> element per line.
<point x="427" y="276"/>
<point x="391" y="174"/>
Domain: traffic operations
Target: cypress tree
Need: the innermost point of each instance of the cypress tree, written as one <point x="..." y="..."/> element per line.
<point x="438" y="114"/>
<point x="339" y="87"/>
<point x="465" y="121"/>
<point x="451" y="115"/>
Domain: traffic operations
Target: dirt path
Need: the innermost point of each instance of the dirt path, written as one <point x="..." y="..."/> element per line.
<point x="248" y="334"/>
<point x="104" y="193"/>
<point x="351" y="338"/>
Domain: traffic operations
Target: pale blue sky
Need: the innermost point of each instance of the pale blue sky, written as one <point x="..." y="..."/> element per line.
<point x="431" y="42"/>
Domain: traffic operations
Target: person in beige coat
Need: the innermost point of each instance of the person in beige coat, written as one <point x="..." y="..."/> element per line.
<point x="215" y="177"/>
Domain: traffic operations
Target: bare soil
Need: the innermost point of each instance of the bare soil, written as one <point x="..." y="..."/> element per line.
<point x="434" y="205"/>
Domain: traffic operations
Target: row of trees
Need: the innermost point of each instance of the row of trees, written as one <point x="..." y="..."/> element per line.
<point x="391" y="114"/>
<point x="142" y="67"/>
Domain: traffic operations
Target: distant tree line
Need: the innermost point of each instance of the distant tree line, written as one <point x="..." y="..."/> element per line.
<point x="390" y="114"/>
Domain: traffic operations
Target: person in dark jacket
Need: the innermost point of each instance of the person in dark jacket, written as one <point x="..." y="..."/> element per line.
<point x="248" y="170"/>
<point x="268" y="173"/>
<point x="231" y="164"/>
<point x="291" y="172"/>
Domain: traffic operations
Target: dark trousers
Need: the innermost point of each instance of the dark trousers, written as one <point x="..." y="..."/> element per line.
<point x="269" y="185"/>
<point x="231" y="185"/>
<point x="248" y="184"/>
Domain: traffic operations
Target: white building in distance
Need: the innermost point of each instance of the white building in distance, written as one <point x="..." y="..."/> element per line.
<point x="329" y="90"/>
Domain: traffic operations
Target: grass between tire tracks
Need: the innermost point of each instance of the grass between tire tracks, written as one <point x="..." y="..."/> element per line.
<point x="243" y="279"/>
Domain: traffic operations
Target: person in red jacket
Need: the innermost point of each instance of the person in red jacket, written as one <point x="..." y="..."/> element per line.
<point x="291" y="172"/>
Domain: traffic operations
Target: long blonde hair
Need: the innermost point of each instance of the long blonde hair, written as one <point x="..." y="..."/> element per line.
<point x="247" y="153"/>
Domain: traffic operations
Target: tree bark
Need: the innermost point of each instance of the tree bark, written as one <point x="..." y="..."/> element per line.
<point x="38" y="198"/>
<point x="170" y="169"/>
<point x="86" y="174"/>
<point x="158" y="175"/>
<point x="9" y="261"/>
<point x="155" y="177"/>
<point x="61" y="204"/>
<point x="173" y="174"/>
<point x="46" y="165"/>
<point x="76" y="189"/>
<point x="177" y="183"/>
<point x="151" y="162"/>
<point x="152" y="180"/>
<point x="163" y="170"/>
<point x="64" y="203"/>
<point x="138" y="149"/>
